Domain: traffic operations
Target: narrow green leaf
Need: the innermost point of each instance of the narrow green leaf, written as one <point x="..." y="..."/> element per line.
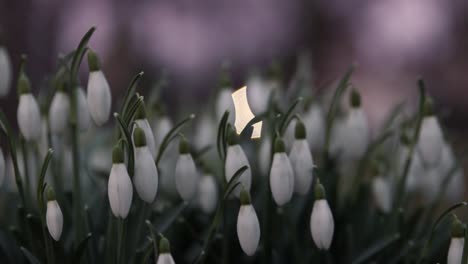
<point x="232" y="184"/>
<point x="40" y="183"/>
<point x="78" y="55"/>
<point x="221" y="136"/>
<point x="31" y="258"/>
<point x="131" y="91"/>
<point x="465" y="248"/>
<point x="79" y="251"/>
<point x="153" y="237"/>
<point x="392" y="115"/>
<point x="376" y="248"/>
<point x="288" y="116"/>
<point x="128" y="137"/>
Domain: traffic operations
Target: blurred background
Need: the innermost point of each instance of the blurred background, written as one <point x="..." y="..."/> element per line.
<point x="393" y="42"/>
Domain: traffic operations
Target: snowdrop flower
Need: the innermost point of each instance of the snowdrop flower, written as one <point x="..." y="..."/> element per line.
<point x="54" y="216"/>
<point x="382" y="191"/>
<point x="431" y="139"/>
<point x="205" y="134"/>
<point x="225" y="103"/>
<point x="84" y="119"/>
<point x="146" y="174"/>
<point x="430" y="182"/>
<point x="258" y="94"/>
<point x="314" y="120"/>
<point x="264" y="153"/>
<point x="301" y="160"/>
<point x="99" y="93"/>
<point x="248" y="227"/>
<point x="186" y="175"/>
<point x="142" y="122"/>
<point x="59" y="111"/>
<point x="29" y="119"/>
<point x="207" y="193"/>
<point x="120" y="190"/>
<point x="457" y="242"/>
<point x="165" y="256"/>
<point x="5" y="71"/>
<point x="281" y="175"/>
<point x="2" y="167"/>
<point x="236" y="159"/>
<point x="321" y="219"/>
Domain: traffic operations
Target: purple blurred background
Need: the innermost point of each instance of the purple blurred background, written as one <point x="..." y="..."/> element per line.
<point x="394" y="42"/>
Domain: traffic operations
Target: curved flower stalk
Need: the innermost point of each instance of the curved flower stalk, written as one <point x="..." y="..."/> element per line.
<point x="2" y="167"/>
<point x="236" y="159"/>
<point x="120" y="190"/>
<point x="207" y="193"/>
<point x="457" y="242"/>
<point x="29" y="119"/>
<point x="248" y="227"/>
<point x="281" y="175"/>
<point x="5" y="71"/>
<point x="142" y="122"/>
<point x="165" y="256"/>
<point x="321" y="219"/>
<point x="99" y="93"/>
<point x="59" y="111"/>
<point x="54" y="216"/>
<point x="314" y="120"/>
<point x="301" y="160"/>
<point x="84" y="119"/>
<point x="186" y="175"/>
<point x="431" y="139"/>
<point x="382" y="191"/>
<point x="145" y="178"/>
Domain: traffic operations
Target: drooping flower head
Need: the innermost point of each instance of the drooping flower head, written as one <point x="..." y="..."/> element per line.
<point x="146" y="174"/>
<point x="28" y="115"/>
<point x="186" y="175"/>
<point x="455" y="252"/>
<point x="99" y="94"/>
<point x="321" y="220"/>
<point x="248" y="227"/>
<point x="120" y="190"/>
<point x="281" y="175"/>
<point x="301" y="160"/>
<point x="54" y="216"/>
<point x="236" y="159"/>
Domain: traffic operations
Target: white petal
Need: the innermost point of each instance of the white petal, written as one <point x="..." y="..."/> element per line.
<point x="186" y="177"/>
<point x="207" y="194"/>
<point x="29" y="120"/>
<point x="5" y="72"/>
<point x="289" y="135"/>
<point x="236" y="159"/>
<point x="430" y="141"/>
<point x="84" y="119"/>
<point x="205" y="134"/>
<point x="146" y="175"/>
<point x="455" y="251"/>
<point x="2" y="167"/>
<point x="54" y="219"/>
<point x="303" y="165"/>
<point x="161" y="127"/>
<point x="144" y="124"/>
<point x="322" y="224"/>
<point x="120" y="190"/>
<point x="281" y="179"/>
<point x="59" y="112"/>
<point x="264" y="158"/>
<point x="99" y="97"/>
<point x="382" y="193"/>
<point x="248" y="229"/>
<point x="315" y="126"/>
<point x="224" y="102"/>
<point x="258" y="94"/>
<point x="355" y="134"/>
<point x="165" y="258"/>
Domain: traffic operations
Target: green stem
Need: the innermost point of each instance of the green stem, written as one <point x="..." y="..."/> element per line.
<point x="142" y="216"/>
<point x="120" y="227"/>
<point x="77" y="216"/>
<point x="27" y="181"/>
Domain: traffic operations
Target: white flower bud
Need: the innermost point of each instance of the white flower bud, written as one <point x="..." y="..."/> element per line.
<point x="258" y="94"/>
<point x="248" y="227"/>
<point x="207" y="193"/>
<point x="382" y="191"/>
<point x="146" y="174"/>
<point x="54" y="216"/>
<point x="322" y="224"/>
<point x="289" y="135"/>
<point x="281" y="175"/>
<point x="315" y="125"/>
<point x="99" y="97"/>
<point x="205" y="134"/>
<point x="59" y="112"/>
<point x="430" y="182"/>
<point x="264" y="153"/>
<point x="236" y="159"/>
<point x="120" y="190"/>
<point x="355" y="135"/>
<point x="5" y="72"/>
<point x="186" y="175"/>
<point x="2" y="167"/>
<point x="455" y="251"/>
<point x="84" y="119"/>
<point x="29" y="119"/>
<point x="224" y="102"/>
<point x="165" y="256"/>
<point x="161" y="127"/>
<point x="303" y="165"/>
<point x="144" y="124"/>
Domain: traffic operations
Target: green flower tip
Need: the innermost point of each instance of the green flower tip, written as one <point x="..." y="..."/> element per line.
<point x="404" y="139"/>
<point x="232" y="137"/>
<point x="428" y="107"/>
<point x="93" y="61"/>
<point x="139" y="137"/>
<point x="50" y="194"/>
<point x="244" y="197"/>
<point x="117" y="155"/>
<point x="300" y="132"/>
<point x="141" y="112"/>
<point x="458" y="229"/>
<point x="279" y="145"/>
<point x="23" y="84"/>
<point x="184" y="146"/>
<point x="164" y="246"/>
<point x="319" y="191"/>
<point x="355" y="99"/>
<point x="61" y="87"/>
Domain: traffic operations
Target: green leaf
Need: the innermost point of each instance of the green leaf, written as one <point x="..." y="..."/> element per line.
<point x="394" y="113"/>
<point x="465" y="248"/>
<point x="233" y="182"/>
<point x="31" y="258"/>
<point x="221" y="136"/>
<point x="79" y="251"/>
<point x="171" y="135"/>
<point x="41" y="184"/>
<point x="128" y="137"/>
<point x="376" y="248"/>
<point x="130" y="92"/>
<point x="153" y="237"/>
<point x="79" y="54"/>
<point x="288" y="116"/>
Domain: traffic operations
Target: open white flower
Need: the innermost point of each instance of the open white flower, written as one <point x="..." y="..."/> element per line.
<point x="457" y="242"/>
<point x="314" y="120"/>
<point x="301" y="160"/>
<point x="281" y="175"/>
<point x="236" y="159"/>
<point x="29" y="119"/>
<point x="54" y="216"/>
<point x="258" y="94"/>
<point x="248" y="227"/>
<point x="186" y="175"/>
<point x="321" y="220"/>
<point x="142" y="122"/>
<point x="99" y="93"/>
<point x="120" y="189"/>
<point x="59" y="111"/>
<point x="84" y="119"/>
<point x="431" y="140"/>
<point x="145" y="178"/>
<point x="382" y="191"/>
<point x="165" y="256"/>
<point x="5" y="71"/>
<point x="2" y="167"/>
<point x="207" y="193"/>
